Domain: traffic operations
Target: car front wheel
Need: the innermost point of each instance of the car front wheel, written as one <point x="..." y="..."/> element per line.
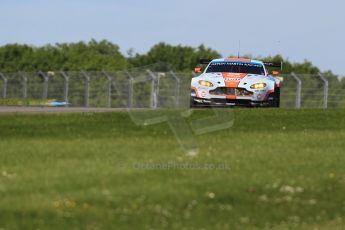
<point x="276" y="98"/>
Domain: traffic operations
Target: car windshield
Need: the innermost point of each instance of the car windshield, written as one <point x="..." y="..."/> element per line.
<point x="235" y="67"/>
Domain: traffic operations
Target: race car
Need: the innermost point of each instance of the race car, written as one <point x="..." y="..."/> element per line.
<point x="235" y="82"/>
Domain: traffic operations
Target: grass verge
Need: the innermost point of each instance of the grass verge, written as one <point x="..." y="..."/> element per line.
<point x="284" y="169"/>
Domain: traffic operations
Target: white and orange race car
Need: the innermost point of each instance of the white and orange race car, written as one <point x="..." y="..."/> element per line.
<point x="235" y="81"/>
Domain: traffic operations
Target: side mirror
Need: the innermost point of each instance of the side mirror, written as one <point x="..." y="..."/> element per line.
<point x="197" y="70"/>
<point x="275" y="73"/>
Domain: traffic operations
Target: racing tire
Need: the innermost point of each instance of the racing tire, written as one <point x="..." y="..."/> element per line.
<point x="275" y="103"/>
<point x="192" y="103"/>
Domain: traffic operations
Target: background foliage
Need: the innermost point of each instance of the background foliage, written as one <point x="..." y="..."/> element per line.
<point x="104" y="55"/>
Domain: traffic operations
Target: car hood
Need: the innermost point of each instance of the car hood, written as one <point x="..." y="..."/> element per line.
<point x="232" y="75"/>
<point x="232" y="79"/>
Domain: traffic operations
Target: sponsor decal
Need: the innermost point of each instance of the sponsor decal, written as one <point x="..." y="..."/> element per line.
<point x="234" y="75"/>
<point x="232" y="79"/>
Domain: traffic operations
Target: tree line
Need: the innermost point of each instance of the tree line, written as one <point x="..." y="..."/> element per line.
<point x="104" y="55"/>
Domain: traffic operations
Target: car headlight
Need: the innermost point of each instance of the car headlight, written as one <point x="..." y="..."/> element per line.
<point x="258" y="86"/>
<point x="205" y="83"/>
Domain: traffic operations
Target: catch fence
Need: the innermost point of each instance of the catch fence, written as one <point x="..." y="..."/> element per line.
<point x="145" y="88"/>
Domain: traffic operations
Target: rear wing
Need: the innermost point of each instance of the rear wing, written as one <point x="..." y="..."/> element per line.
<point x="274" y="65"/>
<point x="205" y="61"/>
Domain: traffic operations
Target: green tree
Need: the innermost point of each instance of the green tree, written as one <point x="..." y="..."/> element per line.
<point x="180" y="58"/>
<point x="93" y="55"/>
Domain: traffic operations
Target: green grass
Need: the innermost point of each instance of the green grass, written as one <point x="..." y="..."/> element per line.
<point x="25" y="102"/>
<point x="77" y="171"/>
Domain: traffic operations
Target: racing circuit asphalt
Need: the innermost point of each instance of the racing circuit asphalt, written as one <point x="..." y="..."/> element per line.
<point x="18" y="109"/>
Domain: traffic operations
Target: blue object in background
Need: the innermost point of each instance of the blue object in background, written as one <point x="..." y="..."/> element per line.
<point x="57" y="104"/>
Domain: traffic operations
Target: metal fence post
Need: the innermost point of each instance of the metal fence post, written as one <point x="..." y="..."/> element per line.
<point x="66" y="86"/>
<point x="325" y="90"/>
<point x="154" y="94"/>
<point x="298" y="90"/>
<point x="87" y="89"/>
<point x="130" y="90"/>
<point x="25" y="85"/>
<point x="177" y="90"/>
<point x="4" y="87"/>
<point x="45" y="78"/>
<point x="109" y="89"/>
<point x="158" y="79"/>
